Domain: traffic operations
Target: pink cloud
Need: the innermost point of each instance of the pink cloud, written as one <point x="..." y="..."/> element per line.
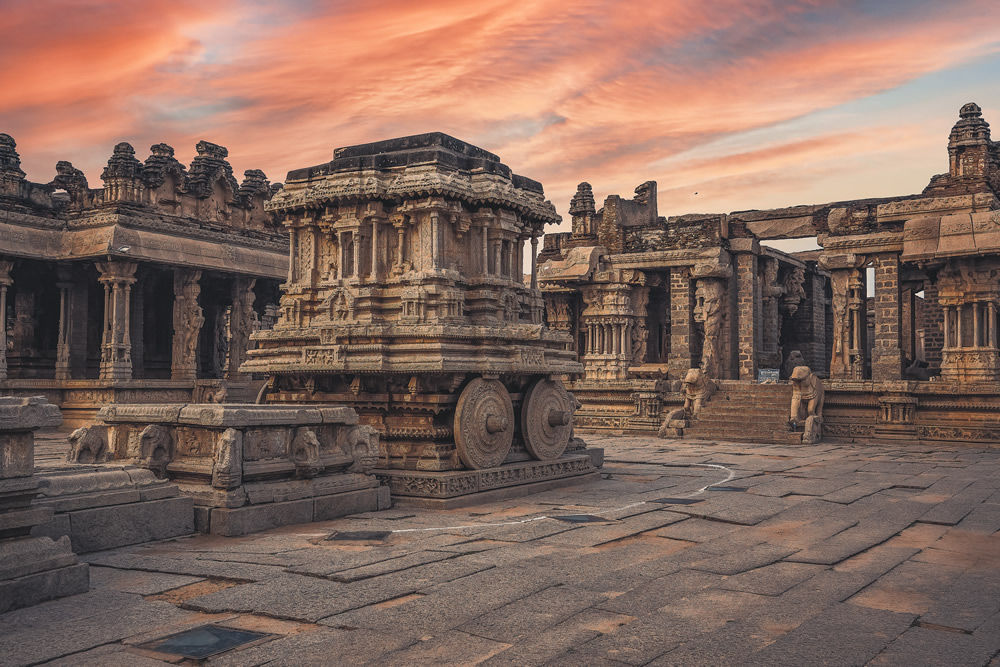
<point x="593" y="90"/>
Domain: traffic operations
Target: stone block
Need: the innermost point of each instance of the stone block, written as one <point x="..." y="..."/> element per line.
<point x="202" y="518"/>
<point x="101" y="528"/>
<point x="255" y="518"/>
<point x="43" y="586"/>
<point x="342" y="504"/>
<point x="17" y="455"/>
<point x="27" y="414"/>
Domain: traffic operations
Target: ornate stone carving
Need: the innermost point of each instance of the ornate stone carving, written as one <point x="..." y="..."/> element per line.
<point x="305" y="453"/>
<point x="227" y="463"/>
<point x="188" y="320"/>
<point x="156" y="449"/>
<point x="710" y="311"/>
<point x="241" y="324"/>
<point x="546" y="419"/>
<point x="361" y="443"/>
<point x="88" y="444"/>
<point x="484" y="424"/>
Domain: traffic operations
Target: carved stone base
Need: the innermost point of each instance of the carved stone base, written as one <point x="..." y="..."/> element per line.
<point x="38" y="569"/>
<point x="113" y="507"/>
<point x="414" y="484"/>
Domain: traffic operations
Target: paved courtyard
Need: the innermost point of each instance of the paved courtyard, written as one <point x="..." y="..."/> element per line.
<point x="793" y="555"/>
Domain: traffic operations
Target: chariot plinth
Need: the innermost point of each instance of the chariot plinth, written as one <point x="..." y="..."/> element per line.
<point x="406" y="300"/>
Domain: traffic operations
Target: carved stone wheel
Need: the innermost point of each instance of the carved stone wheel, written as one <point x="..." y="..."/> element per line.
<point x="546" y="419"/>
<point x="484" y="424"/>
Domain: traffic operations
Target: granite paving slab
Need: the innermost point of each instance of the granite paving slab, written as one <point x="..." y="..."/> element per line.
<point x="483" y="584"/>
<point x="842" y="635"/>
<point x="772" y="579"/>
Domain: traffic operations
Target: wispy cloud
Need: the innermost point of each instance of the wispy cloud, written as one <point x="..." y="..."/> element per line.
<point x="610" y="92"/>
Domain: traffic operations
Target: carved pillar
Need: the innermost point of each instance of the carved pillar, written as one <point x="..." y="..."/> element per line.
<point x="5" y="282"/>
<point x="519" y="259"/>
<point x="817" y="302"/>
<point x="887" y="352"/>
<point x="681" y="297"/>
<point x="748" y="311"/>
<point x="376" y="220"/>
<point x="188" y="319"/>
<point x="399" y="224"/>
<point x="534" y="262"/>
<point x="847" y="359"/>
<point x="116" y="348"/>
<point x="293" y="247"/>
<point x="65" y="285"/>
<point x="240" y="324"/>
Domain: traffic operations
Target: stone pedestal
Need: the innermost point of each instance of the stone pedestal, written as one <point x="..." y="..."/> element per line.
<point x="252" y="467"/>
<point x="32" y="569"/>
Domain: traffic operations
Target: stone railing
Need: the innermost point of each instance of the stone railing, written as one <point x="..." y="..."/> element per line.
<point x="247" y="467"/>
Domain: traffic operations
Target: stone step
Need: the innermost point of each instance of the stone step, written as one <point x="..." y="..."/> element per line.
<point x="774" y="438"/>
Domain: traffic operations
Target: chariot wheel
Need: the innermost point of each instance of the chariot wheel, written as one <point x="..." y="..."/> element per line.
<point x="546" y="419"/>
<point x="484" y="424"/>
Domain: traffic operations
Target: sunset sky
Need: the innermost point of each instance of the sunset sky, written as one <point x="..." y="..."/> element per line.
<point x="748" y="103"/>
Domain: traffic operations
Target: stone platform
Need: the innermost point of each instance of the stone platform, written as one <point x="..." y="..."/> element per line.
<point x="247" y="467"/>
<point x="467" y="487"/>
<point x="105" y="507"/>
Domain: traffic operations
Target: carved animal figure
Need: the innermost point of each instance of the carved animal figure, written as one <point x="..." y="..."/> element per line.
<point x="807" y="404"/>
<point x="794" y="360"/>
<point x="361" y="443"/>
<point x="697" y="390"/>
<point x="88" y="444"/>
<point x="305" y="453"/>
<point x="156" y="449"/>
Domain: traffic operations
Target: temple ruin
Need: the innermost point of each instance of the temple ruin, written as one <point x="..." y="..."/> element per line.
<point x="898" y="310"/>
<point x="143" y="291"/>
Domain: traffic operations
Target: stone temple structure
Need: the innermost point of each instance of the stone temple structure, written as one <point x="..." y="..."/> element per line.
<point x="143" y="290"/>
<point x="406" y="300"/>
<point x="898" y="310"/>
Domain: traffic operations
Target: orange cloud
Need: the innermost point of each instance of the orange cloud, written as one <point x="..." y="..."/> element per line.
<point x="599" y="90"/>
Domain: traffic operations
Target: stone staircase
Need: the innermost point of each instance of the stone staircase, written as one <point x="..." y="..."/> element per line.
<point x="743" y="412"/>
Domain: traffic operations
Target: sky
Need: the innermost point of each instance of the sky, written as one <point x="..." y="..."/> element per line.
<point x="727" y="104"/>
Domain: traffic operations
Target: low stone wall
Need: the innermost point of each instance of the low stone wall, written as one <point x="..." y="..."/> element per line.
<point x="32" y="569"/>
<point x="105" y="507"/>
<point x="926" y="412"/>
<point x="80" y="400"/>
<point x="246" y="467"/>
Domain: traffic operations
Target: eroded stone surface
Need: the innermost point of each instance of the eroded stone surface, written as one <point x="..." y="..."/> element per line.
<point x="504" y="584"/>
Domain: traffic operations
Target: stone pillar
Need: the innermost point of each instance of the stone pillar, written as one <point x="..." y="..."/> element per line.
<point x="534" y="262"/>
<point x="519" y="260"/>
<point x="65" y="285"/>
<point x="188" y="319"/>
<point x="32" y="569"/>
<point x="748" y="305"/>
<point x="240" y="324"/>
<point x="681" y="298"/>
<point x="116" y="346"/>
<point x="5" y="282"/>
<point x="136" y="333"/>
<point x="817" y="301"/>
<point x="293" y="246"/>
<point x="887" y="353"/>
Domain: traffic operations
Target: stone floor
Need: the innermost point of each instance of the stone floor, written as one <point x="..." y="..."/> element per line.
<point x="823" y="554"/>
